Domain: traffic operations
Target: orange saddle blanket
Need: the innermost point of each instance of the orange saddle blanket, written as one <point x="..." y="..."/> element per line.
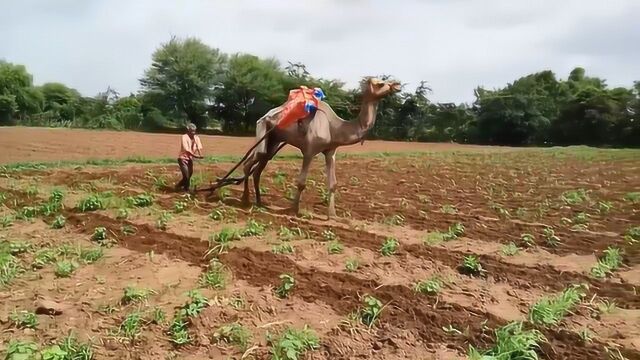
<point x="301" y="102"/>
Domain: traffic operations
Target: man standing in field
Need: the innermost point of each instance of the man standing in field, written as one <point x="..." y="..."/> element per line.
<point x="190" y="147"/>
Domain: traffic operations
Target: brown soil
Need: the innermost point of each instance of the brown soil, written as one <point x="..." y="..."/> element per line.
<point x="22" y="144"/>
<point x="399" y="197"/>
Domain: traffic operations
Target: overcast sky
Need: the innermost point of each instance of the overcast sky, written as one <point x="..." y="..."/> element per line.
<point x="455" y="45"/>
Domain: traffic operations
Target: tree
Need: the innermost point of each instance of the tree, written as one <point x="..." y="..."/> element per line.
<point x="60" y="100"/>
<point x="17" y="96"/>
<point x="250" y="88"/>
<point x="184" y="73"/>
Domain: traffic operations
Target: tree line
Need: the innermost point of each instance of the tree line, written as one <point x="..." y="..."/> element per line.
<point x="191" y="81"/>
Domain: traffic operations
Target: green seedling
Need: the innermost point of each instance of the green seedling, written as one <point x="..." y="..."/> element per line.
<point x="10" y="269"/>
<point x="429" y="287"/>
<point x="293" y="344"/>
<point x="286" y="285"/>
<point x="65" y="268"/>
<point x="163" y="221"/>
<point x="528" y="240"/>
<point x="43" y="257"/>
<point x="123" y="213"/>
<point x="215" y="276"/>
<point x="142" y="200"/>
<point x="91" y="256"/>
<point x="180" y="206"/>
<point x="234" y="334"/>
<point x="133" y="295"/>
<point x="575" y="197"/>
<point x="328" y="235"/>
<point x="471" y="265"/>
<point x="221" y="241"/>
<point x="551" y="309"/>
<point x="389" y="247"/>
<point x="131" y="326"/>
<point x="158" y="316"/>
<point x="92" y="203"/>
<point x="24" y="319"/>
<point x="253" y="228"/>
<point x="335" y="247"/>
<point x="282" y="249"/>
<point x="510" y="249"/>
<point x="550" y="237"/>
<point x="352" y="265"/>
<point x="59" y="222"/>
<point x="371" y="311"/>
<point x="606" y="265"/>
<point x="512" y="342"/>
<point x="21" y="350"/>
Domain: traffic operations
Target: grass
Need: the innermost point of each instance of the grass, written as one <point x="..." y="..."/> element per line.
<point x="234" y="334"/>
<point x="512" y="342"/>
<point x="551" y="309"/>
<point x="606" y="265"/>
<point x="293" y="344"/>
<point x="43" y="257"/>
<point x="455" y="230"/>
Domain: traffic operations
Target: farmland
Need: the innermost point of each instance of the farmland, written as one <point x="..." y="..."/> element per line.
<point x="444" y="252"/>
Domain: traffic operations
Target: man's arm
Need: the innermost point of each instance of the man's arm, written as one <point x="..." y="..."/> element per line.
<point x="198" y="147"/>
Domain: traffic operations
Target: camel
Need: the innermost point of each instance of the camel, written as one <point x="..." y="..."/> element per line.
<point x="323" y="132"/>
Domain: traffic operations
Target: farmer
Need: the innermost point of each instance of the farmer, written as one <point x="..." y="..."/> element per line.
<point x="190" y="147"/>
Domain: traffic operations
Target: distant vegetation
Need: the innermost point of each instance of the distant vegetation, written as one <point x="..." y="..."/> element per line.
<point x="188" y="80"/>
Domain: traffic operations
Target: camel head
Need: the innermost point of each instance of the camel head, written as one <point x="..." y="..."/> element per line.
<point x="375" y="89"/>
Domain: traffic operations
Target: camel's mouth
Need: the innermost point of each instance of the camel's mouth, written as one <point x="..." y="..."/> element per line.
<point x="396" y="87"/>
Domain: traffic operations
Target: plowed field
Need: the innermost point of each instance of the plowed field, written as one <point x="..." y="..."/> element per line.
<point x="430" y="257"/>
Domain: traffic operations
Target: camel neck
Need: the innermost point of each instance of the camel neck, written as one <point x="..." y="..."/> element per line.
<point x="351" y="132"/>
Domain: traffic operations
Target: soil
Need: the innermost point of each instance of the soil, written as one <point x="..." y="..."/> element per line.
<point x="495" y="196"/>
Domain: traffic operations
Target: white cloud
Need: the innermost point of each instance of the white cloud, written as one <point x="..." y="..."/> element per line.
<point x="454" y="45"/>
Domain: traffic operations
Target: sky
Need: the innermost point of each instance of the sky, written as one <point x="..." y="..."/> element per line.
<point x="454" y="45"/>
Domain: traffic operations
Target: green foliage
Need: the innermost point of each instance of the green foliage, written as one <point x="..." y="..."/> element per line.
<point x="131" y="325"/>
<point x="59" y="222"/>
<point x="371" y="310"/>
<point x="9" y="269"/>
<point x="253" y="228"/>
<point x="24" y="319"/>
<point x="471" y="265"/>
<point x="389" y="247"/>
<point x="293" y="344"/>
<point x="352" y="265"/>
<point x="142" y="200"/>
<point x="91" y="256"/>
<point x="429" y="287"/>
<point x="611" y="261"/>
<point x="21" y="350"/>
<point x="286" y="285"/>
<point x="335" y="247"/>
<point x="214" y="277"/>
<point x="235" y="334"/>
<point x="133" y="295"/>
<point x="510" y="249"/>
<point x="282" y="249"/>
<point x="551" y="309"/>
<point x="65" y="268"/>
<point x="512" y="342"/>
<point x="575" y="197"/>
<point x="221" y="242"/>
<point x="183" y="74"/>
<point x="92" y="203"/>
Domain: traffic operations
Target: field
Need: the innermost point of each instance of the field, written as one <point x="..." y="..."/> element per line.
<point x="441" y="253"/>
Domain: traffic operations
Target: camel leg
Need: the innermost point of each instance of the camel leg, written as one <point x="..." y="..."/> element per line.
<point x="247" y="169"/>
<point x="271" y="152"/>
<point x="302" y="181"/>
<point x="330" y="160"/>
